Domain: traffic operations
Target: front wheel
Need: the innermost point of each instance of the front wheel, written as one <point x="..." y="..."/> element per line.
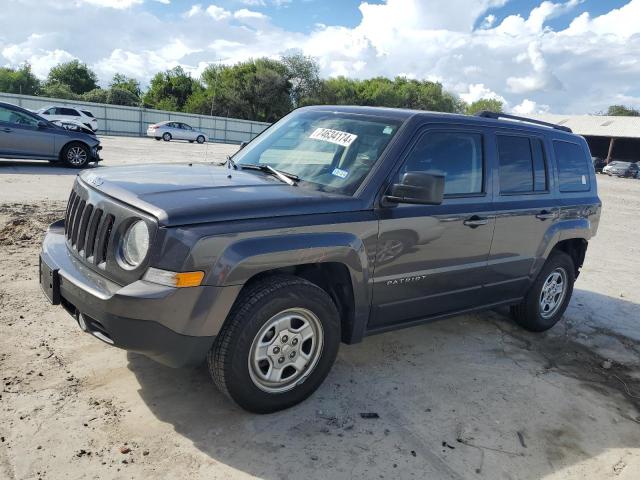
<point x="277" y="345"/>
<point x="549" y="296"/>
<point x="200" y="139"/>
<point x="76" y="155"/>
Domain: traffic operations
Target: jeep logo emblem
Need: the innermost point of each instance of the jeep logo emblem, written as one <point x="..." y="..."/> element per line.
<point x="94" y="180"/>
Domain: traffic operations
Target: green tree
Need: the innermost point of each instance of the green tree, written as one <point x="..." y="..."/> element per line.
<point x="384" y="92"/>
<point x="122" y="96"/>
<point x="490" y="104"/>
<point x="622" y="111"/>
<point x="255" y="90"/>
<point x="170" y="90"/>
<point x="58" y="90"/>
<point x="19" y="80"/>
<point x="120" y="80"/>
<point x="77" y="76"/>
<point x="303" y="73"/>
<point x="97" y="95"/>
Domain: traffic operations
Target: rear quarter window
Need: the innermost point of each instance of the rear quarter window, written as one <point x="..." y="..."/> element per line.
<point x="573" y="166"/>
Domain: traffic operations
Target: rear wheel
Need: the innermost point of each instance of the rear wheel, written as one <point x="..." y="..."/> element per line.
<point x="277" y="345"/>
<point x="549" y="296"/>
<point x="200" y="139"/>
<point x="166" y="137"/>
<point x="76" y="155"/>
<point x="158" y="138"/>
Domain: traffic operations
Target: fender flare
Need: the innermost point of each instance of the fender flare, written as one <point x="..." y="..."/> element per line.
<point x="244" y="259"/>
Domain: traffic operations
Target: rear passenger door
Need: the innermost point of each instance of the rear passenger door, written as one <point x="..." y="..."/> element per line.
<point x="431" y="259"/>
<point x="525" y="210"/>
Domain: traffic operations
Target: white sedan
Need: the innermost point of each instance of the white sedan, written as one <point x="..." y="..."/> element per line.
<point x="168" y="131"/>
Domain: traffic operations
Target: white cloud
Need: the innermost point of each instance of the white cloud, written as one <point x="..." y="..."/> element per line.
<point x="582" y="68"/>
<point x="113" y="3"/>
<point x="217" y="13"/>
<point x="478" y="91"/>
<point x="245" y="14"/>
<point x="193" y="11"/>
<point x="529" y="107"/>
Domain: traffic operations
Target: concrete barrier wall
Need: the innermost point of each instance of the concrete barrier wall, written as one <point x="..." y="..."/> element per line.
<point x="133" y="121"/>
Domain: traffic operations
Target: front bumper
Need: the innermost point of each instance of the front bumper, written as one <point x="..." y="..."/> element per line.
<point x="174" y="326"/>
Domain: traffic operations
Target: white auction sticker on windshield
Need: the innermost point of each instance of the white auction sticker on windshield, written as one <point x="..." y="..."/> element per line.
<point x="334" y="136"/>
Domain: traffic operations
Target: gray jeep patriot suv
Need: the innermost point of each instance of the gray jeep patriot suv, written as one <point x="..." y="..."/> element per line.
<point x="334" y="224"/>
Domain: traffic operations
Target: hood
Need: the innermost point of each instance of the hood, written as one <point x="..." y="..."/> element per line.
<point x="183" y="194"/>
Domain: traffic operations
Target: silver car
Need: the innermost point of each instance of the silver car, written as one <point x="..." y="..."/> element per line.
<point x="25" y="135"/>
<point x="168" y="131"/>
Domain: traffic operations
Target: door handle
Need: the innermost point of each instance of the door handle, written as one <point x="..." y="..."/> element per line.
<point x="475" y="221"/>
<point x="6" y="129"/>
<point x="545" y="215"/>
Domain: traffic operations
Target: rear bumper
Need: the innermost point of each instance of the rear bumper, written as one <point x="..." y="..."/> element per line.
<point x="174" y="326"/>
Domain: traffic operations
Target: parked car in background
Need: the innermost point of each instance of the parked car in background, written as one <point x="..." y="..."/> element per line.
<point x="26" y="135"/>
<point x="621" y="169"/>
<point x="168" y="131"/>
<point x="57" y="112"/>
<point x="598" y="164"/>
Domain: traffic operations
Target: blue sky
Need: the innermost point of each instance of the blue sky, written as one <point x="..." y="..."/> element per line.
<point x="558" y="56"/>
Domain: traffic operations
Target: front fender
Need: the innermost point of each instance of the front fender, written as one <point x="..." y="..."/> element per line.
<point x="243" y="259"/>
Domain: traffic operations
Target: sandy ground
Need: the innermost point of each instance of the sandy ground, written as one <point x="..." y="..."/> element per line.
<point x="469" y="397"/>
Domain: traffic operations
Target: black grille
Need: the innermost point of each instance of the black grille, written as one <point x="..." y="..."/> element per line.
<point x="88" y="229"/>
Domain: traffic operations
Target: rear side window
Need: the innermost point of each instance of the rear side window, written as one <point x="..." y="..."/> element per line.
<point x="69" y="112"/>
<point x="456" y="155"/>
<point x="573" y="166"/>
<point x="522" y="164"/>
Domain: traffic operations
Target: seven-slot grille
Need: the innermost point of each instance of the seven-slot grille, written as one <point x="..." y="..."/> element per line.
<point x="88" y="229"/>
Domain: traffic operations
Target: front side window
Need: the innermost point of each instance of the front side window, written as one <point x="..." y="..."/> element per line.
<point x="17" y="118"/>
<point x="328" y="151"/>
<point x="455" y="155"/>
<point x="87" y="113"/>
<point x="573" y="166"/>
<point x="522" y="164"/>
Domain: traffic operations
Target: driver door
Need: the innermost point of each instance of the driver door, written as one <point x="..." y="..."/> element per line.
<point x="20" y="135"/>
<point x="431" y="260"/>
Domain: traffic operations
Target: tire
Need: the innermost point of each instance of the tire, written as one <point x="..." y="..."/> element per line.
<point x="191" y="141"/>
<point x="76" y="155"/>
<point x="257" y="316"/>
<point x="158" y="138"/>
<point x="201" y="139"/>
<point x="166" y="137"/>
<point x="530" y="314"/>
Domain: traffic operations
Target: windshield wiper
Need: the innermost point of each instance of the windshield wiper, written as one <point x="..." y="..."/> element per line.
<point x="288" y="178"/>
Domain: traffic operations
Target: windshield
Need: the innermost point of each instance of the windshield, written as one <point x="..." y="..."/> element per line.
<point x="330" y="151"/>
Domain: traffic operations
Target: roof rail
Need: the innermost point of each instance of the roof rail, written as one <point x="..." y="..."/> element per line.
<point x="488" y="114"/>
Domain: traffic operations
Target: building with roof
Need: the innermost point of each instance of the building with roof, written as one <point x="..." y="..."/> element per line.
<point x="609" y="138"/>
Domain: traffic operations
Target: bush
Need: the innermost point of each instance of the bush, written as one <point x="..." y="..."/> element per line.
<point x="120" y="96"/>
<point x="58" y="90"/>
<point x="97" y="95"/>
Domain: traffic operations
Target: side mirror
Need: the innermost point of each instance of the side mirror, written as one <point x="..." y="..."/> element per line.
<point x="242" y="145"/>
<point x="42" y="124"/>
<point x="417" y="187"/>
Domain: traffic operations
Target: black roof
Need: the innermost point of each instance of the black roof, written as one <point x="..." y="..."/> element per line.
<point x="495" y="120"/>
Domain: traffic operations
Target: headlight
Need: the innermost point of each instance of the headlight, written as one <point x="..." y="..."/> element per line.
<point x="135" y="244"/>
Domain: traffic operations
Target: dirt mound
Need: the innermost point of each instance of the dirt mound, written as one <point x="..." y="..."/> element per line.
<point x="26" y="224"/>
